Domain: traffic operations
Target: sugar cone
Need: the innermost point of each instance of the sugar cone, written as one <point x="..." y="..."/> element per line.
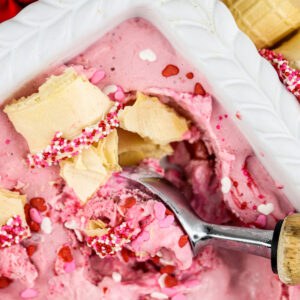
<point x="265" y="21"/>
<point x="291" y="50"/>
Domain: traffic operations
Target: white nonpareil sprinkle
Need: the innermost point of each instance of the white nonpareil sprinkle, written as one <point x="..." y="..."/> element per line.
<point x="159" y="295"/>
<point x="46" y="225"/>
<point x="71" y="224"/>
<point x="117" y="277"/>
<point x="265" y="209"/>
<point x="226" y="185"/>
<point x="161" y="280"/>
<point x="147" y="54"/>
<point x="109" y="89"/>
<point x="78" y="235"/>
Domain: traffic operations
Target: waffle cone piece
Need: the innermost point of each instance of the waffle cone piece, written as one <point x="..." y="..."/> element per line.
<point x="291" y="50"/>
<point x="265" y="21"/>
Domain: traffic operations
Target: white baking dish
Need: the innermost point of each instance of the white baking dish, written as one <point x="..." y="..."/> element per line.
<point x="203" y="31"/>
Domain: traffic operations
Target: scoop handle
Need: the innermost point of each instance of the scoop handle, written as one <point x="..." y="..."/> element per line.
<point x="285" y="250"/>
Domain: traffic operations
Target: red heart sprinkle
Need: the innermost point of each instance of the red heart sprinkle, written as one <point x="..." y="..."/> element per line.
<point x="190" y="75"/>
<point x="38" y="203"/>
<point x="170" y="70"/>
<point x="65" y="253"/>
<point x="170" y="281"/>
<point x="155" y="259"/>
<point x="183" y="240"/>
<point x="124" y="254"/>
<point x="168" y="212"/>
<point x="26" y="212"/>
<point x="129" y="202"/>
<point x="30" y="249"/>
<point x="105" y="289"/>
<point x="4" y="282"/>
<point x="34" y="226"/>
<point x="199" y="90"/>
<point x="167" y="269"/>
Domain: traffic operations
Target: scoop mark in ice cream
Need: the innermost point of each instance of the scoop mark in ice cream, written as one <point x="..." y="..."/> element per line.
<point x="147" y="54"/>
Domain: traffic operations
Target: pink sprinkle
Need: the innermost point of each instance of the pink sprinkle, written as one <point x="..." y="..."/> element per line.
<point x="7" y="142"/>
<point x="261" y="220"/>
<point x="191" y="283"/>
<point x="119" y="95"/>
<point x="29" y="294"/>
<point x="218" y="126"/>
<point x="291" y="213"/>
<point x="70" y="267"/>
<point x="169" y="291"/>
<point x="35" y="215"/>
<point x="98" y="76"/>
<point x="178" y="297"/>
<point x="159" y="211"/>
<point x="254" y="207"/>
<point x="220" y="118"/>
<point x="226" y="116"/>
<point x="166" y="222"/>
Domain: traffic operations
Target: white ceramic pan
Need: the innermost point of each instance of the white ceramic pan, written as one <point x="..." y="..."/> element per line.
<point x="202" y="30"/>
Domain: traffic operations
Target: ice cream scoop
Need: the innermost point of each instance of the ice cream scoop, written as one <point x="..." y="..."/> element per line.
<point x="281" y="245"/>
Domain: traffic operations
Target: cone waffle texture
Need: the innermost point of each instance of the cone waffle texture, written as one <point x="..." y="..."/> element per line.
<point x="291" y="50"/>
<point x="265" y="21"/>
<point x="288" y="252"/>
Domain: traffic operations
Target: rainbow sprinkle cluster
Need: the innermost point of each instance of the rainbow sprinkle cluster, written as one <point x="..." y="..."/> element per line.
<point x="61" y="148"/>
<point x="13" y="232"/>
<point x="112" y="242"/>
<point x="289" y="76"/>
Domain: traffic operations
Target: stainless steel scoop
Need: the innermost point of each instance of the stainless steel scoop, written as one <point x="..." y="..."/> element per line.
<point x="251" y="240"/>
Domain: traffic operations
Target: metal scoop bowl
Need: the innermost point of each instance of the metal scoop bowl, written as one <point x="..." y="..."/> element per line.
<point x="250" y="240"/>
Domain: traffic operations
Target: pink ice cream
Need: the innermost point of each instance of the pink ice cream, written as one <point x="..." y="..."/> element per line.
<point x="219" y="174"/>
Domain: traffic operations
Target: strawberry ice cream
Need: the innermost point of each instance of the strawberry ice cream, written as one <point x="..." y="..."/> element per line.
<point x="96" y="236"/>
